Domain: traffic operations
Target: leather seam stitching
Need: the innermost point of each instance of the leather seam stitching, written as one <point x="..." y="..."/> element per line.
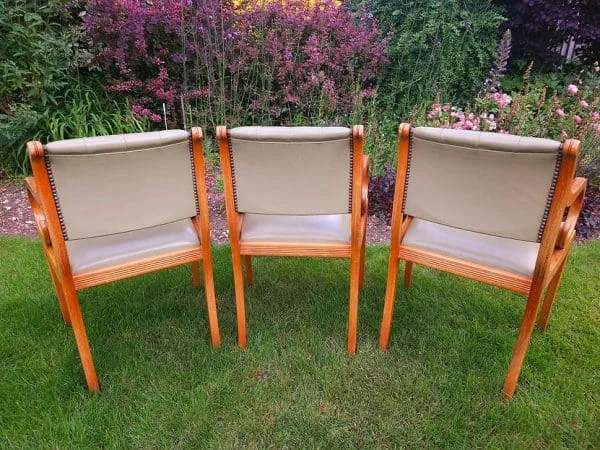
<point x="408" y="162"/>
<point x="61" y="218"/>
<point x="193" y="167"/>
<point x="351" y="174"/>
<point x="550" y="193"/>
<point x="230" y="148"/>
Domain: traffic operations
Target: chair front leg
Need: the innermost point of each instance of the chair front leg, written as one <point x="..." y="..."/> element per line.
<point x="248" y="267"/>
<point x="211" y="303"/>
<point x="240" y="302"/>
<point x="363" y="251"/>
<point x="522" y="344"/>
<point x="550" y="296"/>
<point x="355" y="266"/>
<point x="81" y="339"/>
<point x="408" y="269"/>
<point x="196" y="274"/>
<point x="388" y="307"/>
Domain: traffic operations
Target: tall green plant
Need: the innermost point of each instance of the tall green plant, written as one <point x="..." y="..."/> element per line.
<point x="443" y="46"/>
<point x="81" y="110"/>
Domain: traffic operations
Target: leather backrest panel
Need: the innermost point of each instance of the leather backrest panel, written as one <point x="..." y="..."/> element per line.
<point x="114" y="184"/>
<point x="292" y="170"/>
<point x="484" y="182"/>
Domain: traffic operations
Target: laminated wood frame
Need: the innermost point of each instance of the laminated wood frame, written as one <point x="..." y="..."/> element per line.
<point x="540" y="288"/>
<point x="354" y="250"/>
<point x="48" y="223"/>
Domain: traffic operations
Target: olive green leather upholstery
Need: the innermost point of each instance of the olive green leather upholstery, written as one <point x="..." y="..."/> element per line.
<point x="489" y="183"/>
<point x="332" y="229"/>
<point x="104" y="251"/>
<point x="509" y="255"/>
<point x="291" y="170"/>
<point x="115" y="184"/>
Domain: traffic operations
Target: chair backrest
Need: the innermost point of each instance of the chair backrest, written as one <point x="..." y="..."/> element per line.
<point x="491" y="183"/>
<point x="113" y="184"/>
<point x="291" y="170"/>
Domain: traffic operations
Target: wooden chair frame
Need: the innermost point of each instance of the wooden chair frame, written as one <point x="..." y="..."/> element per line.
<point x="355" y="250"/>
<point x="66" y="284"/>
<point x="555" y="244"/>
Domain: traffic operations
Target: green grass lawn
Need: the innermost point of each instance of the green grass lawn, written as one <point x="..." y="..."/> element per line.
<point x="163" y="386"/>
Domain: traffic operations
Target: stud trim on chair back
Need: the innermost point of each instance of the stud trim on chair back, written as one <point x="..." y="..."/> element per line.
<point x="475" y="180"/>
<point x="312" y="166"/>
<point x="114" y="184"/>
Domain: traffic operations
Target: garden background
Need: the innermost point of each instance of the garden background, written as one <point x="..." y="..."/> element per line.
<point x="75" y="68"/>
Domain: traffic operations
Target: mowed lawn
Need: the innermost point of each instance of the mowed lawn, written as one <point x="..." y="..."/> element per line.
<point x="163" y="386"/>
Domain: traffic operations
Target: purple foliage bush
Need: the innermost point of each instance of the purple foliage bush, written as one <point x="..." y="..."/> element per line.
<point x="237" y="62"/>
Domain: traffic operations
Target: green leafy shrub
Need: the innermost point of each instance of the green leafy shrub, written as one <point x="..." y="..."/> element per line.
<point x="79" y="111"/>
<point x="438" y="46"/>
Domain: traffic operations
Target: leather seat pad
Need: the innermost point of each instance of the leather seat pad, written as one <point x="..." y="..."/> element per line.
<point x="510" y="255"/>
<point x="96" y="253"/>
<point x="330" y="228"/>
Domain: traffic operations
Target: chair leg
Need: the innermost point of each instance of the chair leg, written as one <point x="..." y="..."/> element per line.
<point x="355" y="263"/>
<point x="248" y="266"/>
<point x="362" y="260"/>
<point x="81" y="339"/>
<point x="240" y="303"/>
<point x="408" y="268"/>
<point x="522" y="344"/>
<point x="60" y="294"/>
<point x="550" y="296"/>
<point x="211" y="304"/>
<point x="196" y="274"/>
<point x="388" y="308"/>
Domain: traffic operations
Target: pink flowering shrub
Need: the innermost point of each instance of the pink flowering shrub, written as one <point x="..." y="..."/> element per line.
<point x="214" y="61"/>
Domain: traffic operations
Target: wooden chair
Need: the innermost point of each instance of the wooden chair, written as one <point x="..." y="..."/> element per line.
<point x="113" y="207"/>
<point x="298" y="191"/>
<point x="489" y="207"/>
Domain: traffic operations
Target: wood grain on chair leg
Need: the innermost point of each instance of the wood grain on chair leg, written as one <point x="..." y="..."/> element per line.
<point x="60" y="294"/>
<point x="522" y="344"/>
<point x="353" y="303"/>
<point x="240" y="302"/>
<point x="248" y="267"/>
<point x="388" y="307"/>
<point x="196" y="274"/>
<point x="362" y="260"/>
<point x="211" y="304"/>
<point x="550" y="296"/>
<point x="408" y="269"/>
<point x="81" y="339"/>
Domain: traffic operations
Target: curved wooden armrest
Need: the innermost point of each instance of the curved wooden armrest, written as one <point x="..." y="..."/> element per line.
<point x="573" y="201"/>
<point x="38" y="214"/>
<point x="364" y="205"/>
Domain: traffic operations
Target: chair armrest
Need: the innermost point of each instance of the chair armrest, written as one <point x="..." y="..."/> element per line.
<point x="364" y="205"/>
<point x="38" y="214"/>
<point x="573" y="201"/>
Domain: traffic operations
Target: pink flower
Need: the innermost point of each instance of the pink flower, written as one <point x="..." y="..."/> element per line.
<point x="597" y="129"/>
<point x="577" y="118"/>
<point x="559" y="112"/>
<point x="572" y="89"/>
<point x="501" y="99"/>
<point x="596" y="115"/>
<point x="563" y="133"/>
<point x="584" y="104"/>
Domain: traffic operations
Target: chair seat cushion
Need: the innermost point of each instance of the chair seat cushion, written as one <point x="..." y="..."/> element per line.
<point x="331" y="228"/>
<point x="100" y="252"/>
<point x="505" y="254"/>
